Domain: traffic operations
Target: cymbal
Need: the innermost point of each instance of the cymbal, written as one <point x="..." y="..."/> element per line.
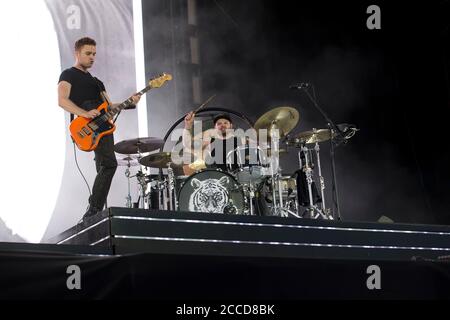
<point x="159" y="160"/>
<point x="138" y="145"/>
<point x="282" y="118"/>
<point x="312" y="136"/>
<point x="128" y="161"/>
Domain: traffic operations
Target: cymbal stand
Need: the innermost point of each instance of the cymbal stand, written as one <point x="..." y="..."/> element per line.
<point x="307" y="168"/>
<point x="128" y="198"/>
<point x="274" y="136"/>
<point x="163" y="190"/>
<point x="249" y="191"/>
<point x="322" y="183"/>
<point x="278" y="209"/>
<point x="142" y="181"/>
<point x="173" y="202"/>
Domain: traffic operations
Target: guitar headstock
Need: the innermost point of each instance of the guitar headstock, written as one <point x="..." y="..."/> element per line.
<point x="159" y="81"/>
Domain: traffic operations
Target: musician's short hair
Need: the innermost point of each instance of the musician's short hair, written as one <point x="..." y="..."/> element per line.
<point x="225" y="116"/>
<point x="86" y="41"/>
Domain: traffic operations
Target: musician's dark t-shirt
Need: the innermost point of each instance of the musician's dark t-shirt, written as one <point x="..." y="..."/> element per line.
<point x="85" y="91"/>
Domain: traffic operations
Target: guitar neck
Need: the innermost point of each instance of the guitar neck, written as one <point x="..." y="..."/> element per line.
<point x="115" y="110"/>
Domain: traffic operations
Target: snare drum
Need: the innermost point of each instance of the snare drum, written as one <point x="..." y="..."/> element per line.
<point x="212" y="191"/>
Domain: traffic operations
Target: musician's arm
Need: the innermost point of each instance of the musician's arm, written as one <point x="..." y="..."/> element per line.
<point x="207" y="135"/>
<point x="187" y="139"/>
<point x="64" y="102"/>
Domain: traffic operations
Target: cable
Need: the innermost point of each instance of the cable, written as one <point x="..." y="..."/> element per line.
<point x="79" y="170"/>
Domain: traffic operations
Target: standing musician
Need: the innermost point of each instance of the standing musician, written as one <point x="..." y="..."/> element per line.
<point x="80" y="93"/>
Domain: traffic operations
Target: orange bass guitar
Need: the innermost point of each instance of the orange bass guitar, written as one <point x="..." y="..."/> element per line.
<point x="86" y="133"/>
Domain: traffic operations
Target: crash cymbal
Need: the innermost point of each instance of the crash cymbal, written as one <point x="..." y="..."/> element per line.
<point x="313" y="136"/>
<point x="282" y="118"/>
<point x="137" y="145"/>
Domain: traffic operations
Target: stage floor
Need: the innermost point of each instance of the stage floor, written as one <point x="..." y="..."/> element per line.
<point x="185" y="256"/>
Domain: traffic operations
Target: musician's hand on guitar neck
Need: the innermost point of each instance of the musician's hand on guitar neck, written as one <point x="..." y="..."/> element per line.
<point x="91" y="114"/>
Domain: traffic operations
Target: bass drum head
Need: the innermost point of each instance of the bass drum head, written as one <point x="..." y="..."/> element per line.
<point x="211" y="191"/>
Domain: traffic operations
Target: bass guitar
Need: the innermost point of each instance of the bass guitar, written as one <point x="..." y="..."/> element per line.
<point x="86" y="133"/>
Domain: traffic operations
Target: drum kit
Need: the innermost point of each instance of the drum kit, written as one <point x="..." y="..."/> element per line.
<point x="256" y="187"/>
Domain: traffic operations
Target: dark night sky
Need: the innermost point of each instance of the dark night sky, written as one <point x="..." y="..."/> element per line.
<point x="392" y="83"/>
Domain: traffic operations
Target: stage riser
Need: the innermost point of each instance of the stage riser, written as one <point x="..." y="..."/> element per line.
<point x="135" y="230"/>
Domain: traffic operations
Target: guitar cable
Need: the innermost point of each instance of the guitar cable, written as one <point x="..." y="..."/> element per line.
<point x="84" y="178"/>
<point x="79" y="169"/>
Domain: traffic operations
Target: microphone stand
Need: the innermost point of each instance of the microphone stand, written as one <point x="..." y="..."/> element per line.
<point x="336" y="136"/>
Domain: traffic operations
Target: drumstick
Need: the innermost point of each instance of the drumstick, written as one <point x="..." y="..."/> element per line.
<point x="204" y="103"/>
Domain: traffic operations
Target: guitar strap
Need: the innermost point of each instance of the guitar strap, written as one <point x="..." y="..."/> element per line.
<point x="97" y="82"/>
<point x="103" y="96"/>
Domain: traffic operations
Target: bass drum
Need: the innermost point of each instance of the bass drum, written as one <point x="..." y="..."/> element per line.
<point x="211" y="191"/>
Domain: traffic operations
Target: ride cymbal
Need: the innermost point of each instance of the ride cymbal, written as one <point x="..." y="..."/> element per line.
<point x="282" y="118"/>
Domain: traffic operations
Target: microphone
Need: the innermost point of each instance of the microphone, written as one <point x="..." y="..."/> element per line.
<point x="299" y="86"/>
<point x="348" y="130"/>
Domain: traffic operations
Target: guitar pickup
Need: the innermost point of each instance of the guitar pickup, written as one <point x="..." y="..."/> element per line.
<point x="84" y="132"/>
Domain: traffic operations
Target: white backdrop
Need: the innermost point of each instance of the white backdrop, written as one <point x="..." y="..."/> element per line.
<point x="110" y="23"/>
<point x="41" y="189"/>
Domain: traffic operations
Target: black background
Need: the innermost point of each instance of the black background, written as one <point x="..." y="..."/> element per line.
<point x="392" y="83"/>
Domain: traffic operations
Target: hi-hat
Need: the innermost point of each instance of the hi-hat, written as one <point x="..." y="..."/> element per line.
<point x="161" y="160"/>
<point x="128" y="161"/>
<point x="138" y="145"/>
<point x="282" y="118"/>
<point x="312" y="136"/>
<point x="157" y="160"/>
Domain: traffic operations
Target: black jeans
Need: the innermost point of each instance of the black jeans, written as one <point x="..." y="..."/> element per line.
<point x="106" y="165"/>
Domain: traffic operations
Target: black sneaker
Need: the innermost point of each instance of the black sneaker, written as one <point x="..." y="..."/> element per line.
<point x="92" y="211"/>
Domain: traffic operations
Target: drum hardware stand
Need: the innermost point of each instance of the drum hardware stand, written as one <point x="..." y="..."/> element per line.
<point x="278" y="209"/>
<point x="128" y="198"/>
<point x="163" y="191"/>
<point x="141" y="181"/>
<point x="322" y="183"/>
<point x="314" y="212"/>
<point x="173" y="202"/>
<point x="335" y="133"/>
<point x="333" y="170"/>
<point x="250" y="190"/>
<point x="142" y="185"/>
